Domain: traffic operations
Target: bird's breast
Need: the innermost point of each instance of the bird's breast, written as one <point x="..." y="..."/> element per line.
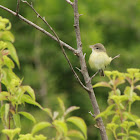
<point x="99" y="60"/>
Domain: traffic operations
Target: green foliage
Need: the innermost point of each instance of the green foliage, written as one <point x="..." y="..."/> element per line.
<point x="120" y="103"/>
<point x="17" y="94"/>
<point x="11" y="132"/>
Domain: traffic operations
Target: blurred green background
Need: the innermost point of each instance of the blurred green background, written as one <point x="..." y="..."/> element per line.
<point x="116" y="24"/>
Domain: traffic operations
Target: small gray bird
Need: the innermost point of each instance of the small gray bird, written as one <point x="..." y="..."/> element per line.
<point x="98" y="58"/>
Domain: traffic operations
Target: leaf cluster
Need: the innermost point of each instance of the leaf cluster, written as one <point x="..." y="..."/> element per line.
<point x="16" y="94"/>
<point x="120" y="103"/>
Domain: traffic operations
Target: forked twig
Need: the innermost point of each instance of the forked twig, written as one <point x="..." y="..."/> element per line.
<point x="39" y="28"/>
<point x="68" y="1"/>
<point x="61" y="45"/>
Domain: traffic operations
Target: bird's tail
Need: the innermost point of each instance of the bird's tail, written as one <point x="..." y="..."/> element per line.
<point x="101" y="72"/>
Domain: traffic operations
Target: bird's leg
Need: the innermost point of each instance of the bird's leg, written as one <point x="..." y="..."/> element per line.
<point x="94" y="74"/>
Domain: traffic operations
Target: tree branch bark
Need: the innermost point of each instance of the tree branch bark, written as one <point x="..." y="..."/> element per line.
<point x="61" y="45"/>
<point x="85" y="73"/>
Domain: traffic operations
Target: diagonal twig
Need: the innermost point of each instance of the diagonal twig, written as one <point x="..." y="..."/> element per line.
<point x="117" y="56"/>
<point x="39" y="28"/>
<point x="68" y="1"/>
<point x="61" y="45"/>
<point x="94" y="74"/>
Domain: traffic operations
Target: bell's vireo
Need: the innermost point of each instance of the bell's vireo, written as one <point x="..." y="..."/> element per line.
<point x="98" y="58"/>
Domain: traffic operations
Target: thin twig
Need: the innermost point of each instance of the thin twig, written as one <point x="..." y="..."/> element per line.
<point x="39" y="28"/>
<point x="117" y="56"/>
<point x="78" y="69"/>
<point x="68" y="1"/>
<point x="84" y="55"/>
<point x="61" y="45"/>
<point x="91" y="114"/>
<point x="94" y="74"/>
<point x="17" y="10"/>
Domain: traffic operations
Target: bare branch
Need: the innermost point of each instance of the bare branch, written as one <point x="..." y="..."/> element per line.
<point x="17" y="10"/>
<point x="40" y="29"/>
<point x="61" y="45"/>
<point x="117" y="56"/>
<point x="78" y="69"/>
<point x="68" y="1"/>
<point x="85" y="73"/>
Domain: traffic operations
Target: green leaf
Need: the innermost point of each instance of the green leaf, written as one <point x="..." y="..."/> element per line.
<point x="61" y="126"/>
<point x="2" y="97"/>
<point x="2" y="111"/>
<point x="133" y="138"/>
<point x="28" y="116"/>
<point x="121" y="134"/>
<point x="61" y="104"/>
<point x="79" y="123"/>
<point x="40" y="126"/>
<point x="7" y="36"/>
<point x="48" y="111"/>
<point x="2" y="45"/>
<point x="40" y="137"/>
<point x="119" y="99"/>
<point x="4" y="24"/>
<point x="26" y="137"/>
<point x="11" y="132"/>
<point x="138" y="122"/>
<point x="7" y="107"/>
<point x="75" y="134"/>
<point x="133" y="132"/>
<point x="132" y="71"/>
<point x="107" y="112"/>
<point x="13" y="53"/>
<point x="29" y="100"/>
<point x="8" y="62"/>
<point x="16" y="118"/>
<point x="127" y="124"/>
<point x="70" y="109"/>
<point x="138" y="87"/>
<point x="102" y="84"/>
<point x="130" y="116"/>
<point x="30" y="91"/>
<point x="112" y="126"/>
<point x="10" y="79"/>
<point x="115" y="118"/>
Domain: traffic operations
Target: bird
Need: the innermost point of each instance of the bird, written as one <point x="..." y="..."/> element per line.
<point x="98" y="58"/>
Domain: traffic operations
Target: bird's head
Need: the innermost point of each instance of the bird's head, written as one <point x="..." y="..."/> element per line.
<point x="98" y="48"/>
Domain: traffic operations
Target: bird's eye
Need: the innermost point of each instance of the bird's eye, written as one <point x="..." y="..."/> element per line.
<point x="97" y="48"/>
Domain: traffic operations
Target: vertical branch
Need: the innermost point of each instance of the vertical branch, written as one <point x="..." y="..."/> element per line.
<point x="85" y="73"/>
<point x="17" y="10"/>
